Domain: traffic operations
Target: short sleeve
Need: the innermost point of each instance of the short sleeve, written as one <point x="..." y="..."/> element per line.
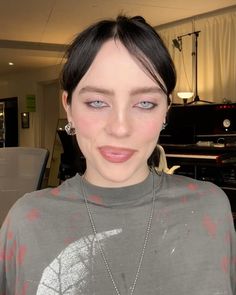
<point x="8" y="250"/>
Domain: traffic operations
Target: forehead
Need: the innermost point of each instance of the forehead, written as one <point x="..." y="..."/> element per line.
<point x="114" y="64"/>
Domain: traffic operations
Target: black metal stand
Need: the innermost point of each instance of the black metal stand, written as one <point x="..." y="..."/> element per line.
<point x="178" y="44"/>
<point x="196" y="98"/>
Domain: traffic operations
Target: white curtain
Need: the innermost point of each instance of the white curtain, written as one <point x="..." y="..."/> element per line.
<point x="216" y="55"/>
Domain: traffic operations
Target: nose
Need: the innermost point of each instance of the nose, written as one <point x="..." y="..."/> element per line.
<point x="119" y="123"/>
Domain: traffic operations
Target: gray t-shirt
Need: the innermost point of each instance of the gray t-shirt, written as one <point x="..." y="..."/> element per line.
<point x="47" y="245"/>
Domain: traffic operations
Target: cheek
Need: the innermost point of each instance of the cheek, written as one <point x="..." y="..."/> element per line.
<point x="86" y="134"/>
<point x="150" y="131"/>
<point x="84" y="125"/>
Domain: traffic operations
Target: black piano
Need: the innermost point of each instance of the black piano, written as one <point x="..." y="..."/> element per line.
<point x="201" y="138"/>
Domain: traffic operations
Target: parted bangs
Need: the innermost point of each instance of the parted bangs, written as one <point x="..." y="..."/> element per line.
<point x="139" y="38"/>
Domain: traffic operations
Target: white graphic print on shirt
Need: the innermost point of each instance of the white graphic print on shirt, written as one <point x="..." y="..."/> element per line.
<point x="68" y="272"/>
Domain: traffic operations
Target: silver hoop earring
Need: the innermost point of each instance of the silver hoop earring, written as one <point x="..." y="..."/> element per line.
<point x="164" y="126"/>
<point x="69" y="129"/>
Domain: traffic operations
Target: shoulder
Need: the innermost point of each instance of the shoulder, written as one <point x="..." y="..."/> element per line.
<point x="45" y="202"/>
<point x="28" y="205"/>
<point x="201" y="205"/>
<point x="202" y="193"/>
<point x="189" y="185"/>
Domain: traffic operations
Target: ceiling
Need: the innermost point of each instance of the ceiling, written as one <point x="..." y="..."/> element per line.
<point x="34" y="33"/>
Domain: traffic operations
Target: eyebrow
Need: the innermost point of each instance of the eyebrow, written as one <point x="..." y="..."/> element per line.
<point x="143" y="90"/>
<point x="96" y="90"/>
<point x="135" y="91"/>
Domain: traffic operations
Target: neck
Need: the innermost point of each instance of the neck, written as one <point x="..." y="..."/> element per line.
<point x="112" y="181"/>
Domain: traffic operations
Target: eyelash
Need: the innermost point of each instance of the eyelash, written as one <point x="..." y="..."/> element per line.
<point x="92" y="104"/>
<point x="150" y="106"/>
<point x="99" y="104"/>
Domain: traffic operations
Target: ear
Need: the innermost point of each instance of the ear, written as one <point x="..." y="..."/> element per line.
<point x="165" y="121"/>
<point x="66" y="106"/>
<point x="64" y="100"/>
<point x="170" y="102"/>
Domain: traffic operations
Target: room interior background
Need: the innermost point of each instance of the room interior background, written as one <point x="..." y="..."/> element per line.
<point x="216" y="55"/>
<point x="216" y="74"/>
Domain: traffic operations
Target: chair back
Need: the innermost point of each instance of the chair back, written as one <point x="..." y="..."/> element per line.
<point x="21" y="171"/>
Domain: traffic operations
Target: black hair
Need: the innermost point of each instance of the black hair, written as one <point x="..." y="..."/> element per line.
<point x="141" y="41"/>
<point x="139" y="38"/>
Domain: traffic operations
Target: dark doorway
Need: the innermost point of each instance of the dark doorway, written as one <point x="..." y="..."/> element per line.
<point x="9" y="122"/>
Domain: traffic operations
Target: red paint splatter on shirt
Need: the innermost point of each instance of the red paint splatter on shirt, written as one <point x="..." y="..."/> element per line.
<point x="8" y="254"/>
<point x="10" y="235"/>
<point x="225" y="264"/>
<point x="72" y="197"/>
<point x="33" y="214"/>
<point x="192" y="186"/>
<point x="234" y="260"/>
<point x="21" y="254"/>
<point x="209" y="225"/>
<point x="2" y="255"/>
<point x="55" y="192"/>
<point x="13" y="251"/>
<point x="74" y="220"/>
<point x="163" y="214"/>
<point x="23" y="290"/>
<point x="69" y="241"/>
<point x="183" y="199"/>
<point x="95" y="199"/>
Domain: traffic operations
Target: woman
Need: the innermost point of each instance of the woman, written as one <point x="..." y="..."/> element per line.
<point x="120" y="228"/>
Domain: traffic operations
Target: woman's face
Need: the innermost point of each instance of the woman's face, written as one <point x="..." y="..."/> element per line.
<point x="117" y="111"/>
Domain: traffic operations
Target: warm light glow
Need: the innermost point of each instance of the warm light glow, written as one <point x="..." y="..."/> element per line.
<point x="185" y="95"/>
<point x="11" y="63"/>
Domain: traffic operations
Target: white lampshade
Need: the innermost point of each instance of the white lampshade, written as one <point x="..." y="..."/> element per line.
<point x="185" y="95"/>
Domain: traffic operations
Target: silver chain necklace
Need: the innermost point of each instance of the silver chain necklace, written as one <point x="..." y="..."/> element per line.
<point x="147" y="234"/>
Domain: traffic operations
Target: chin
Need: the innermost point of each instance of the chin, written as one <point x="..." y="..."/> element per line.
<point x="107" y="174"/>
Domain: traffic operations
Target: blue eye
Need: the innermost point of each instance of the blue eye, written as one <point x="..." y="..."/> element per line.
<point x="146" y="105"/>
<point x="97" y="104"/>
